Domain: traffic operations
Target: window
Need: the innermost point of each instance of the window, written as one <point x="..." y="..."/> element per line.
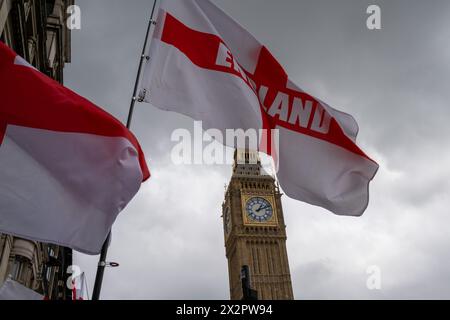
<point x="51" y="253"/>
<point x="52" y="47"/>
<point x="48" y="275"/>
<point x="16" y="268"/>
<point x="49" y="5"/>
<point x="20" y="269"/>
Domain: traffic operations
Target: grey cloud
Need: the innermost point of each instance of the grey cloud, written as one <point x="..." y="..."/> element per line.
<point x="169" y="240"/>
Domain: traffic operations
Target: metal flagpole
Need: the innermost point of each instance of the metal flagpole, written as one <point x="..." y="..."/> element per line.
<point x="141" y="62"/>
<point x="102" y="261"/>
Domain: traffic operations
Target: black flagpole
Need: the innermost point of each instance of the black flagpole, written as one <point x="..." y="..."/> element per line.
<point x="102" y="262"/>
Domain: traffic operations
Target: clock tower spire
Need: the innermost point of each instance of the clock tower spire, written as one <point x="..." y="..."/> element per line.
<point x="255" y="233"/>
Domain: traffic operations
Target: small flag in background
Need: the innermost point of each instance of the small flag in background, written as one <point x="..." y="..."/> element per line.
<point x="204" y="65"/>
<point x="79" y="290"/>
<point x="67" y="168"/>
<point x="12" y="290"/>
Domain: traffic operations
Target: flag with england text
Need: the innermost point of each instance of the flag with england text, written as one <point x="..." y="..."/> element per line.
<point x="205" y="65"/>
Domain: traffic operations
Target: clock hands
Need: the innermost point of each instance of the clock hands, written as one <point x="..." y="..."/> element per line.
<point x="261" y="207"/>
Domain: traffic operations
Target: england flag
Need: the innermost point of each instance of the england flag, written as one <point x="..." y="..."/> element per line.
<point x="203" y="64"/>
<point x="67" y="168"/>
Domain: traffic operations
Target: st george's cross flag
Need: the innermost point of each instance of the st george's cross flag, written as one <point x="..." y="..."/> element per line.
<point x="203" y="64"/>
<point x="67" y="168"/>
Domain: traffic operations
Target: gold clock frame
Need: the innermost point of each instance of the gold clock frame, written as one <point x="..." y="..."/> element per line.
<point x="273" y="222"/>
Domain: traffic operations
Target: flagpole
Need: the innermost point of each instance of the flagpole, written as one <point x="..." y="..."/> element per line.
<point x="102" y="261"/>
<point x="141" y="63"/>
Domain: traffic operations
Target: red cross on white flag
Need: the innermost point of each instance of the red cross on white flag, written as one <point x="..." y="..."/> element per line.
<point x="205" y="65"/>
<point x="67" y="168"/>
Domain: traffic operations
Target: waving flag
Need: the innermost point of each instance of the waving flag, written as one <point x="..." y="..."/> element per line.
<point x="67" y="168"/>
<point x="12" y="290"/>
<point x="79" y="290"/>
<point x="205" y="65"/>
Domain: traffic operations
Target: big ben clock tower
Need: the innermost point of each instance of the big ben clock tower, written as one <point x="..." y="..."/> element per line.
<point x="255" y="233"/>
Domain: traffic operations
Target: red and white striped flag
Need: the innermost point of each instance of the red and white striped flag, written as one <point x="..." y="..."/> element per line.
<point x="205" y="65"/>
<point x="67" y="168"/>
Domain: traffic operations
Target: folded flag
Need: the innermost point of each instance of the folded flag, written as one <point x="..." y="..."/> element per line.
<point x="67" y="168"/>
<point x="204" y="65"/>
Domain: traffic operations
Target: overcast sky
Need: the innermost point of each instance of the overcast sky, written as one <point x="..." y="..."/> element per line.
<point x="394" y="81"/>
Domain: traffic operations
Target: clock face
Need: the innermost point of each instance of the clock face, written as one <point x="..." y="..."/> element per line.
<point x="259" y="209"/>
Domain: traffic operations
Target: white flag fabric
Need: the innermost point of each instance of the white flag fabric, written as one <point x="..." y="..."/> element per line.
<point x="79" y="290"/>
<point x="67" y="168"/>
<point x="12" y="290"/>
<point x="204" y="65"/>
